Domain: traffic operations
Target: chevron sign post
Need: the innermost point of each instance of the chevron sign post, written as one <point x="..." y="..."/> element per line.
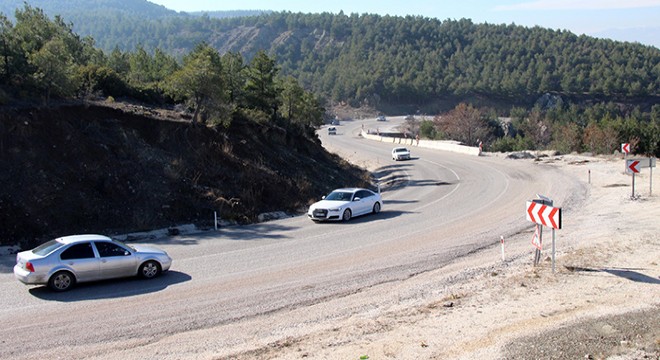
<point x="633" y="167"/>
<point x="541" y="212"/>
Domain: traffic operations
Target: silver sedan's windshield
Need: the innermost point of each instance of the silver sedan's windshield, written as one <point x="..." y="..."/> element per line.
<point x="124" y="245"/>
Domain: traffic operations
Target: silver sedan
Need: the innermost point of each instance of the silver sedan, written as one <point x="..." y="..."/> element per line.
<point x="65" y="261"/>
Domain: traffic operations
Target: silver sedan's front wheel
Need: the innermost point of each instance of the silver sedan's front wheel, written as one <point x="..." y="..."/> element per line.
<point x="149" y="269"/>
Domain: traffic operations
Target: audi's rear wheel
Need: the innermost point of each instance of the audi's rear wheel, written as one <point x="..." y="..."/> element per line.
<point x="376" y="208"/>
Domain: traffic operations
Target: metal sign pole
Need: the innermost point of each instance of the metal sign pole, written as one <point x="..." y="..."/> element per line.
<point x="633" y="186"/>
<point x="553" y="250"/>
<point x="651" y="177"/>
<point x="538" y="251"/>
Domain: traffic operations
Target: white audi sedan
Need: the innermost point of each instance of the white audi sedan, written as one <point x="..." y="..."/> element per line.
<point x="343" y="204"/>
<point x="61" y="263"/>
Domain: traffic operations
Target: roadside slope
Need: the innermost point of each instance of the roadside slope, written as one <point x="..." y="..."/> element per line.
<point x="94" y="168"/>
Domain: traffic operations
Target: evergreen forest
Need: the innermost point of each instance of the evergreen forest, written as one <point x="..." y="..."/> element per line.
<point x="557" y="90"/>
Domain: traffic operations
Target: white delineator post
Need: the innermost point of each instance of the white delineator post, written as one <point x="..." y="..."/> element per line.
<point x="502" y="242"/>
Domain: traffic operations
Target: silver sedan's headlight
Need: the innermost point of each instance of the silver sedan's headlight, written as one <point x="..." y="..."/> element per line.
<point x="335" y="209"/>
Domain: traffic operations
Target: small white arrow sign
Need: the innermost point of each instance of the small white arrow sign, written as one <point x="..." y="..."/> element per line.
<point x="625" y="148"/>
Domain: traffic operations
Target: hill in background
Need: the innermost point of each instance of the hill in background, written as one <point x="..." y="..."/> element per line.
<point x="372" y="60"/>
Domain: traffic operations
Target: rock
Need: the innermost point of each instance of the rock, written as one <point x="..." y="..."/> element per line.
<point x="521" y="155"/>
<point x="272" y="216"/>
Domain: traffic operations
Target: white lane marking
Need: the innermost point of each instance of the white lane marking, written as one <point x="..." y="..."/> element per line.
<point x="458" y="185"/>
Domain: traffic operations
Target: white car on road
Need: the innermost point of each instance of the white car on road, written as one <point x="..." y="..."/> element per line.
<point x="343" y="204"/>
<point x="400" y="153"/>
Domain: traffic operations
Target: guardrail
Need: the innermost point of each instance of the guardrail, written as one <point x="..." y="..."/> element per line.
<point x="443" y="145"/>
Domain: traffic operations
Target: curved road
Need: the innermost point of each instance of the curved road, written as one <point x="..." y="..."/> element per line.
<point x="245" y="287"/>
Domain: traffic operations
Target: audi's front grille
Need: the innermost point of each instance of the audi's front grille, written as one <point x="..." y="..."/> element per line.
<point x="320" y="213"/>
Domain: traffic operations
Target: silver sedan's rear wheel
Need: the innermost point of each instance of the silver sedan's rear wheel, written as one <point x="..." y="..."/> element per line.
<point x="347" y="215"/>
<point x="61" y="281"/>
<point x="376" y="208"/>
<point x="149" y="269"/>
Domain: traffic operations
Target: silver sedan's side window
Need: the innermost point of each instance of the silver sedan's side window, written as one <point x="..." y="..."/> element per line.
<point x="108" y="249"/>
<point x="78" y="251"/>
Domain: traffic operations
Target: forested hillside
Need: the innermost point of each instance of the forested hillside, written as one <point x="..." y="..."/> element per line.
<point x="570" y="92"/>
<point x="382" y="58"/>
<point x="93" y="8"/>
<point x="213" y="134"/>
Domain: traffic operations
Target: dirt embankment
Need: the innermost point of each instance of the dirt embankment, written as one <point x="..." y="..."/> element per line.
<point x="94" y="168"/>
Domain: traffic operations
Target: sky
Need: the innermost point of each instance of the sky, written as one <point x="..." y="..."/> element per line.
<point x="624" y="20"/>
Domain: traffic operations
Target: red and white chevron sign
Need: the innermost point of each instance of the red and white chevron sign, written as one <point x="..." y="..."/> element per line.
<point x="543" y="214"/>
<point x="625" y="148"/>
<point x="632" y="166"/>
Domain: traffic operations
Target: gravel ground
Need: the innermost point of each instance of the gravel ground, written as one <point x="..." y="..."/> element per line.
<point x="634" y="335"/>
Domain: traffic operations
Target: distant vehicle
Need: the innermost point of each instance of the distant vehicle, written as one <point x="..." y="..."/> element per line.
<point x="343" y="204"/>
<point x="381" y="118"/>
<point x="400" y="153"/>
<point x="65" y="261"/>
<point x="409" y="117"/>
<point x="332" y="130"/>
<point x="335" y="122"/>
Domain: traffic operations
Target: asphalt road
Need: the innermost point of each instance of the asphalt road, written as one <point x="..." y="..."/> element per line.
<point x="238" y="288"/>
